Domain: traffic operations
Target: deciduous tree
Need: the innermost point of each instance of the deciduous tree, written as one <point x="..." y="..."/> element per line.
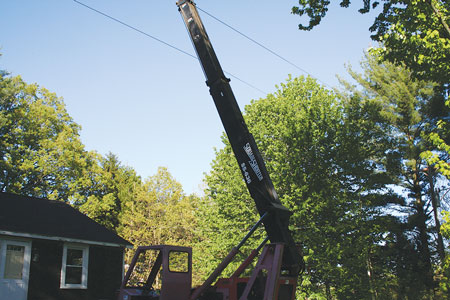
<point x="41" y="153"/>
<point x="325" y="158"/>
<point x="412" y="32"/>
<point x="159" y="213"/>
<point x="112" y="187"/>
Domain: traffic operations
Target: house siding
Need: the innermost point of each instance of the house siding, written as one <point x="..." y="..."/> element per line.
<point x="45" y="270"/>
<point x="104" y="272"/>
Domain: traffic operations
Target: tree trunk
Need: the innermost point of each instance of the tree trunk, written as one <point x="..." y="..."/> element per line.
<point x="423" y="247"/>
<point x="434" y="202"/>
<point x="328" y="291"/>
<point x="373" y="290"/>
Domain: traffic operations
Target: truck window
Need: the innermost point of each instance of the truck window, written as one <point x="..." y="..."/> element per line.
<point x="178" y="261"/>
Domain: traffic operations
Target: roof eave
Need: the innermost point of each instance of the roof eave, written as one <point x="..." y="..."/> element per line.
<point x="63" y="239"/>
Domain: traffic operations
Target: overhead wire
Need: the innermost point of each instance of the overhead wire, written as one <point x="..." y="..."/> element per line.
<point x="195" y="57"/>
<point x="261" y="45"/>
<point x="135" y="29"/>
<point x="162" y="42"/>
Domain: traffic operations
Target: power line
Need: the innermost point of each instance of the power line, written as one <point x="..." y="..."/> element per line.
<point x="261" y="45"/>
<point x="161" y="41"/>
<point x="135" y="29"/>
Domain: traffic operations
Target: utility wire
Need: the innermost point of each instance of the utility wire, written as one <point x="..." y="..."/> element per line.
<point x="136" y="29"/>
<point x="261" y="45"/>
<point x="162" y="42"/>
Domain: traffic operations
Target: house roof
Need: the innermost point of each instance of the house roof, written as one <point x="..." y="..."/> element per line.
<point x="49" y="219"/>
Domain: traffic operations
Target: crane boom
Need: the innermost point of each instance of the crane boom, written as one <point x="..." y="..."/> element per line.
<point x="275" y="275"/>
<point x="249" y="159"/>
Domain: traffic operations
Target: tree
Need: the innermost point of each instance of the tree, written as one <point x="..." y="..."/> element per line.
<point x="408" y="108"/>
<point x="412" y="32"/>
<point x="41" y="153"/>
<point x="439" y="157"/>
<point x="325" y="170"/>
<point x="415" y="34"/>
<point x="159" y="213"/>
<point x="113" y="186"/>
<point x="445" y="280"/>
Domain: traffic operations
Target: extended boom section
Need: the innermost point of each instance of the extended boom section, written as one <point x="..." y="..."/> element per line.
<point x="244" y="147"/>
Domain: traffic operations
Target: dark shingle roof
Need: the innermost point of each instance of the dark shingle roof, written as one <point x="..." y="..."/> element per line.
<point x="49" y="218"/>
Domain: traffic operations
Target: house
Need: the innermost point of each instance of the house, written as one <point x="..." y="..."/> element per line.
<point x="51" y="251"/>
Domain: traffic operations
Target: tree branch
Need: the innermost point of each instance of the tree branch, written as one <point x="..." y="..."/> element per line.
<point x="441" y="18"/>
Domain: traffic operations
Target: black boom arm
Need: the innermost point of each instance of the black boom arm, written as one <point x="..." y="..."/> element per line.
<point x="244" y="147"/>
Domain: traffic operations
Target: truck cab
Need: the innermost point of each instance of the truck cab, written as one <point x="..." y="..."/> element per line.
<point x="160" y="272"/>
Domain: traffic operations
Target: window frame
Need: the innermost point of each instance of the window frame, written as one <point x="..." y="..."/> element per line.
<point x="84" y="266"/>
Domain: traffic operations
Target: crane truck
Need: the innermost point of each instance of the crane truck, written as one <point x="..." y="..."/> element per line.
<point x="274" y="277"/>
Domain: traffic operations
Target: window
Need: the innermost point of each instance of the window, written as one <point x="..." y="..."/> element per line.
<point x="178" y="261"/>
<point x="74" y="269"/>
<point x="14" y="261"/>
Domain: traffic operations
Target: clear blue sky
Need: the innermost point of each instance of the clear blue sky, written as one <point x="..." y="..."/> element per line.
<point x="148" y="103"/>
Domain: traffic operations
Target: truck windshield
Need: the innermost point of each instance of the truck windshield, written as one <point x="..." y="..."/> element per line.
<point x="140" y="277"/>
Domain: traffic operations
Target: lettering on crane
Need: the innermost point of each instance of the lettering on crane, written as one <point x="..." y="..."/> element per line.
<point x="252" y="161"/>
<point x="246" y="175"/>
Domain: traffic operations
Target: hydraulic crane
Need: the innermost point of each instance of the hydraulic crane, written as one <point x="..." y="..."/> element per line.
<point x="275" y="275"/>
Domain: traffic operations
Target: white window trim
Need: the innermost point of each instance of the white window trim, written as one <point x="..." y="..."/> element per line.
<point x="84" y="273"/>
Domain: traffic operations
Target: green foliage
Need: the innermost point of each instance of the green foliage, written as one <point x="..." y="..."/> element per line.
<point x="444" y="283"/>
<point x="42" y="155"/>
<point x="40" y="149"/>
<point x="113" y="186"/>
<point x="413" y="32"/>
<point x="408" y="109"/>
<point x="334" y="160"/>
<point x="316" y="10"/>
<point x="224" y="215"/>
<point x="440" y="157"/>
<point x="416" y="33"/>
<point x="323" y="155"/>
<point x="158" y="212"/>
